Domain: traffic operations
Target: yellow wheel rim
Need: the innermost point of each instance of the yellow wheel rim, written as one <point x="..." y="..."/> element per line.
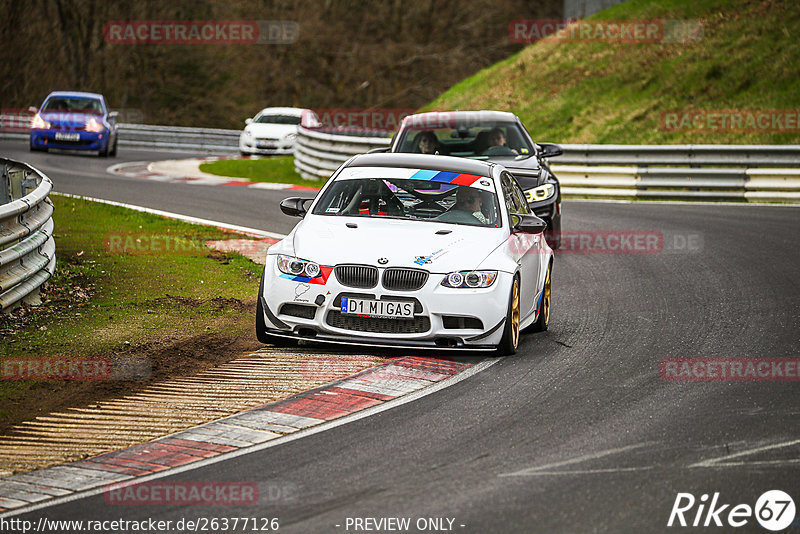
<point x="515" y="314"/>
<point x="546" y="298"/>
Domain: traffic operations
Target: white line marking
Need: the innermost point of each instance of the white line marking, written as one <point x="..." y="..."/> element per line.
<point x="584" y="471"/>
<point x="388" y="405"/>
<point x="579" y="459"/>
<point x="178" y="216"/>
<point x="724" y="459"/>
<point x="680" y="202"/>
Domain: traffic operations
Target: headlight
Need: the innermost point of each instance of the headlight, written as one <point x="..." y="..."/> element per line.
<point x="289" y="137"/>
<point x="38" y="123"/>
<point x="247" y="133"/>
<point x="543" y="192"/>
<point x="298" y="267"/>
<point x="94" y="126"/>
<point x="472" y="279"/>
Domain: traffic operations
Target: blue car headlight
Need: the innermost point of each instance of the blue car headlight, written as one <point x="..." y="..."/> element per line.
<point x="94" y="126"/>
<point x="470" y="279"/>
<point x="298" y="267"/>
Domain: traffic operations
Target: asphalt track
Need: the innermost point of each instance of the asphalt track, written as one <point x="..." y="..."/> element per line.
<point x="577" y="432"/>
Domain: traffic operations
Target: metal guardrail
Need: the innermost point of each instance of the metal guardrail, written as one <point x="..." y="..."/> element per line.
<point x="27" y="247"/>
<point x="209" y="140"/>
<point x="619" y="171"/>
<point x="685" y="155"/>
<point x="317" y="154"/>
<point x="177" y="137"/>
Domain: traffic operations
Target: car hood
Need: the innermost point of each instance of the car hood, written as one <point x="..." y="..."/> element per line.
<point x="69" y="118"/>
<point x="328" y="241"/>
<point x="276" y="131"/>
<point x="527" y="171"/>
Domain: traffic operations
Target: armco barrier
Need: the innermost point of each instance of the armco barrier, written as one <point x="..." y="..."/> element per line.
<point x="317" y="154"/>
<point x="618" y="171"/>
<point x="27" y="248"/>
<point x="176" y="137"/>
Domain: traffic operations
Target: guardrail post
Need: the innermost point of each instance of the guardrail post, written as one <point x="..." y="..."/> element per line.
<point x="5" y="186"/>
<point x="15" y="184"/>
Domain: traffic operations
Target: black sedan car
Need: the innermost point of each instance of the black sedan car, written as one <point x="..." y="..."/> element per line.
<point x="496" y="136"/>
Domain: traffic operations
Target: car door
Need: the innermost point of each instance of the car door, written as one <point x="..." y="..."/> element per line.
<point x="525" y="247"/>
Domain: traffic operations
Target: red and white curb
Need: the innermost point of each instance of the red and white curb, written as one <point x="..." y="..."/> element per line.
<point x="186" y="171"/>
<point x="375" y="389"/>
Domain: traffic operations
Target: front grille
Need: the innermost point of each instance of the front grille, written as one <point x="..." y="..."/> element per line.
<point x="299" y="310"/>
<point x="418" y="325"/>
<point x="79" y="142"/>
<point x="404" y="279"/>
<point x="361" y="276"/>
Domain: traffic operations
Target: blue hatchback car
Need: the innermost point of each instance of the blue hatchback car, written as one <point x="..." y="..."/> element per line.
<point x="74" y="120"/>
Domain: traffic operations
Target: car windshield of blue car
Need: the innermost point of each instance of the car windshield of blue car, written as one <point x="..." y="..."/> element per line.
<point x="487" y="140"/>
<point x="74" y="105"/>
<point x="413" y="199"/>
<point x="278" y="119"/>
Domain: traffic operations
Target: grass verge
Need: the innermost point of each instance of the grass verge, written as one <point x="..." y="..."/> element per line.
<point x="129" y="286"/>
<point x="746" y="58"/>
<point x="278" y="170"/>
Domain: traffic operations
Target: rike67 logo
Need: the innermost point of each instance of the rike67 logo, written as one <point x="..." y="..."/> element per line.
<point x="774" y="510"/>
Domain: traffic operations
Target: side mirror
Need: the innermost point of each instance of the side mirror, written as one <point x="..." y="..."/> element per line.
<point x="529" y="224"/>
<point x="294" y="207"/>
<point x="33" y="109"/>
<point x="113" y="115"/>
<point x="248" y="121"/>
<point x="377" y="150"/>
<point x="549" y="150"/>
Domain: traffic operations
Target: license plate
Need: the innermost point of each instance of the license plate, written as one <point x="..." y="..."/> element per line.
<point x="378" y="308"/>
<point x="61" y="136"/>
<point x="265" y="144"/>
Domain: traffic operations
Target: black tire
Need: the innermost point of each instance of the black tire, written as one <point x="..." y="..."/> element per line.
<point x="113" y="152"/>
<point x="543" y="320"/>
<point x="510" y="340"/>
<point x="553" y="234"/>
<point x="261" y="325"/>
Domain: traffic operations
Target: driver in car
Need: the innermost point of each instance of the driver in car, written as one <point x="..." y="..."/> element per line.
<point x="497" y="144"/>
<point x="467" y="209"/>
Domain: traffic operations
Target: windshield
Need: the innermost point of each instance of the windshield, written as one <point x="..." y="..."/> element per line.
<point x="74" y="105"/>
<point x="414" y="199"/>
<point x="278" y="119"/>
<point x="482" y="141"/>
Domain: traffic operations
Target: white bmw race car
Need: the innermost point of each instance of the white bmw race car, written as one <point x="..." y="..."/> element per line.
<point x="409" y="250"/>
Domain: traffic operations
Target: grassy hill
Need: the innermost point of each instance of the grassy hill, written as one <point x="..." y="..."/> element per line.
<point x="581" y="91"/>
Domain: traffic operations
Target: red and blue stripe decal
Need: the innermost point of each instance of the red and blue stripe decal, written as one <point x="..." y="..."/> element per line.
<point x="321" y="278"/>
<point x="446" y="177"/>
